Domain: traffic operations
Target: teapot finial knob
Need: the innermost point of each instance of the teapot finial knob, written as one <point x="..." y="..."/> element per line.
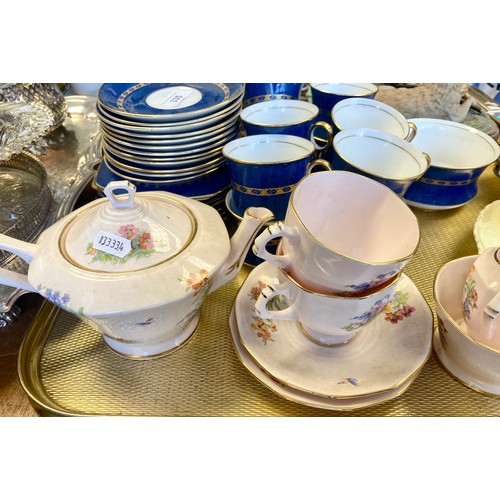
<point x="116" y="202"/>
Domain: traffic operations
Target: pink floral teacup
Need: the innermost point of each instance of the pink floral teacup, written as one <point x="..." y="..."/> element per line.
<point x="343" y="233"/>
<point x="481" y="298"/>
<point x="326" y="319"/>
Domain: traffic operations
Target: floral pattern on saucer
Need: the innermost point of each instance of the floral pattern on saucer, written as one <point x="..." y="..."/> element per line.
<point x="264" y="328"/>
<point x="386" y="353"/>
<point x="304" y="398"/>
<point x="348" y="380"/>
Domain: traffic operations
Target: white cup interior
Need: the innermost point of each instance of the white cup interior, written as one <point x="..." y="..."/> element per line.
<point x="379" y="154"/>
<point x="368" y="113"/>
<point x="356" y="216"/>
<point x="454" y="145"/>
<point x="268" y="148"/>
<point x="346" y="89"/>
<point x="285" y="112"/>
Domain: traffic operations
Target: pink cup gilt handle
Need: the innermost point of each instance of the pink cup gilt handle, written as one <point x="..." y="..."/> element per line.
<point x="266" y="295"/>
<point x="319" y="162"/>
<point x="276" y="230"/>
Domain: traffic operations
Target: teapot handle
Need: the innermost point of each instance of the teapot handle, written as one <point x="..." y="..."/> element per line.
<point x="27" y="251"/>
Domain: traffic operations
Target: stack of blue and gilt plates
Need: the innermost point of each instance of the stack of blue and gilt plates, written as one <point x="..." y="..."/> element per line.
<point x="168" y="136"/>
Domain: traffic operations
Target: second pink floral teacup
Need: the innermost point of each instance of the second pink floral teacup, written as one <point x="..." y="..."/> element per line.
<point x="328" y="320"/>
<point x="343" y="233"/>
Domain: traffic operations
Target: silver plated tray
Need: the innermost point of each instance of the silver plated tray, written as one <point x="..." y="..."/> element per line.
<point x="73" y="151"/>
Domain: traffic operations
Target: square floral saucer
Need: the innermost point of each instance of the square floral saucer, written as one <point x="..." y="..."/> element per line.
<point x="304" y="398"/>
<point x="389" y="351"/>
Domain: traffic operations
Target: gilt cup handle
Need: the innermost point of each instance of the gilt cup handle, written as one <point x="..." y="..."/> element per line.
<point x="412" y="132"/>
<point x="320" y="162"/>
<point x="320" y="148"/>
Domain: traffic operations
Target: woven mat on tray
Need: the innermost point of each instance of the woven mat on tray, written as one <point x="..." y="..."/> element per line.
<point x="82" y="376"/>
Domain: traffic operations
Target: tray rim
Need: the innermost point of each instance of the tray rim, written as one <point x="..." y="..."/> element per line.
<point x="28" y="362"/>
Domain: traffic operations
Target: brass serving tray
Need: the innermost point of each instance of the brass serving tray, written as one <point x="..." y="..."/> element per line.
<point x="66" y="369"/>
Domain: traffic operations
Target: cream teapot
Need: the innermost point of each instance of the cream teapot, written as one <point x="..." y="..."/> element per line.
<point x="137" y="266"/>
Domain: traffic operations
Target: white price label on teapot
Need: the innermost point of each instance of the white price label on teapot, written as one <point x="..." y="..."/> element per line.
<point x="112" y="244"/>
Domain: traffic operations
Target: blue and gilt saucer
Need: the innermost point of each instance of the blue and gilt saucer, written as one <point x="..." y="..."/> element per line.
<point x="168" y="129"/>
<point x="383" y="357"/>
<point x="158" y="102"/>
<point x="206" y="184"/>
<point x="154" y="152"/>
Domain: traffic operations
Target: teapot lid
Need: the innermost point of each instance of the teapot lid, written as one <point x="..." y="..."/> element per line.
<point x="127" y="233"/>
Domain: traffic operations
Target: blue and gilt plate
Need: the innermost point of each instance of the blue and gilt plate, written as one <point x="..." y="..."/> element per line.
<point x="168" y="151"/>
<point x="141" y="140"/>
<point x="167" y="102"/>
<point x="192" y="186"/>
<point x="195" y="126"/>
<point x="150" y="163"/>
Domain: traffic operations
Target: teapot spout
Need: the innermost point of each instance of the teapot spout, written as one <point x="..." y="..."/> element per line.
<point x="252" y="222"/>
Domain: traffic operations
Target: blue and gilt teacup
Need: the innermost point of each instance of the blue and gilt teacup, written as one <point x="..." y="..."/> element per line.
<point x="265" y="168"/>
<point x="326" y="95"/>
<point x="459" y="155"/>
<point x="290" y="117"/>
<point x="383" y="157"/>
<point x="360" y="112"/>
<point x="261" y="92"/>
